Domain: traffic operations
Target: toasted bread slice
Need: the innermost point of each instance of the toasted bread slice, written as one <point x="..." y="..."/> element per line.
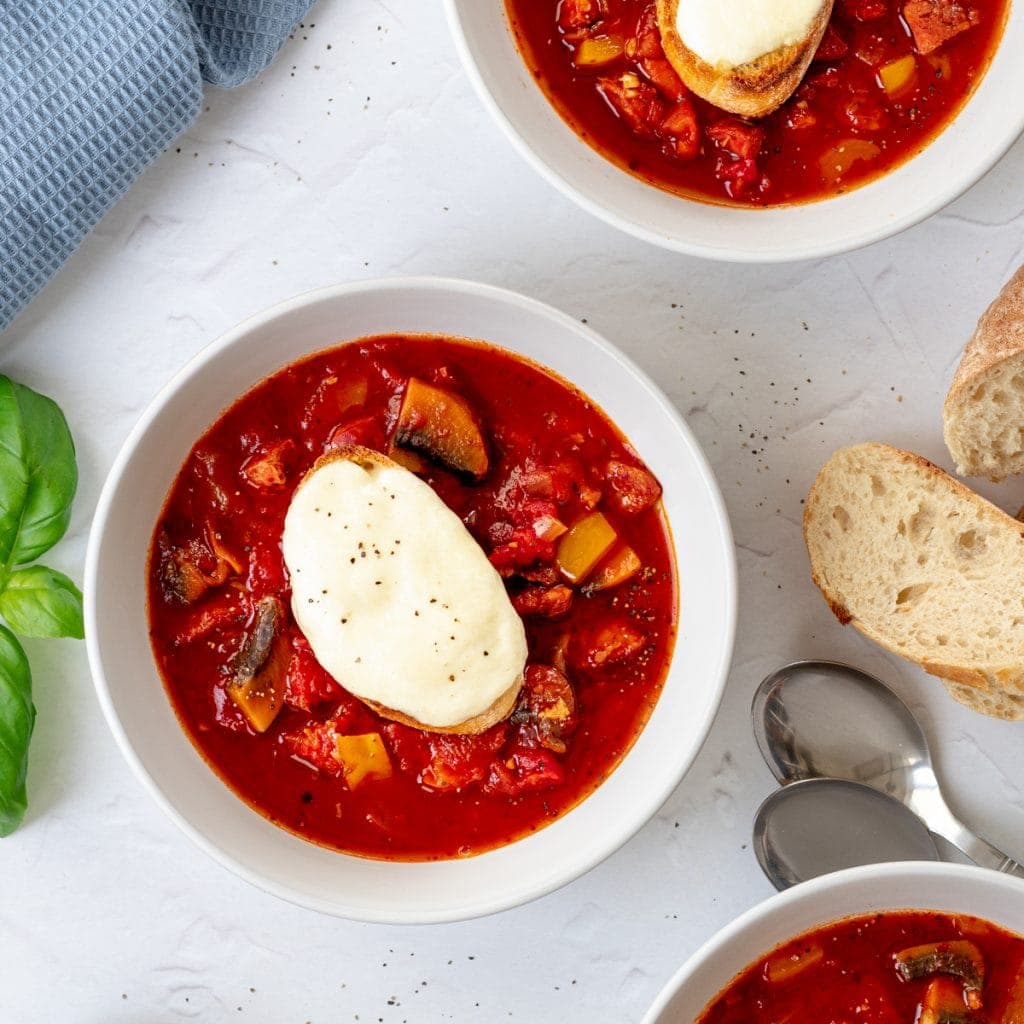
<point x="925" y="567"/>
<point x="753" y="89"/>
<point x="502" y="706"/>
<point x="994" y="703"/>
<point x="983" y="415"/>
<point x="497" y="712"/>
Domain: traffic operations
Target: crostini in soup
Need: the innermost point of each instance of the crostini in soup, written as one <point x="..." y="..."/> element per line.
<point x="758" y="104"/>
<point x="413" y="598"/>
<point x="743" y="56"/>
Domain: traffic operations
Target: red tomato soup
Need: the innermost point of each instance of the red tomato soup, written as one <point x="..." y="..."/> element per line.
<point x="565" y="511"/>
<point x="897" y="967"/>
<point x="888" y="76"/>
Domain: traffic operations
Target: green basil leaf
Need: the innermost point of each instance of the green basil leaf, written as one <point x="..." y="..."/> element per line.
<point x="38" y="601"/>
<point x="17" y="716"/>
<point x="38" y="473"/>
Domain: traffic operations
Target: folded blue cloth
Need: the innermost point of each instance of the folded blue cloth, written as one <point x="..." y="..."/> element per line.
<point x="91" y="91"/>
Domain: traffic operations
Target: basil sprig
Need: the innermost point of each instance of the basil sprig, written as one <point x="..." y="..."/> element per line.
<point x="38" y="477"/>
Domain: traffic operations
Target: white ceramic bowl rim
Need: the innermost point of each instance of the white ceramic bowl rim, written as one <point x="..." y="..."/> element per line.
<point x="824" y="890"/>
<point x="642" y="805"/>
<point x="966" y="150"/>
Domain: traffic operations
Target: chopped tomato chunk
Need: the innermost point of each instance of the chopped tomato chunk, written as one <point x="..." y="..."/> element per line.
<point x="546" y="710"/>
<point x="609" y="644"/>
<point x="576" y="14"/>
<point x="316" y="746"/>
<point x="544" y="602"/>
<point x="737" y="137"/>
<point x="269" y="470"/>
<point x="557" y="483"/>
<point x="443" y="761"/>
<point x="523" y="548"/>
<point x="217" y="613"/>
<point x="682" y="130"/>
<point x="266" y="569"/>
<point x="647" y="41"/>
<point x="935" y="22"/>
<point x="832" y="45"/>
<point x="738" y="176"/>
<point x="662" y="75"/>
<point x="307" y="683"/>
<point x="634" y="489"/>
<point x="635" y="101"/>
<point x="365" y="431"/>
<point x="524" y="770"/>
<point x="799" y="116"/>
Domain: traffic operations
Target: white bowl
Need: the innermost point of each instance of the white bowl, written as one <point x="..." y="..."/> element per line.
<point x="141" y="717"/>
<point x="953" y="888"/>
<point x="966" y="150"/>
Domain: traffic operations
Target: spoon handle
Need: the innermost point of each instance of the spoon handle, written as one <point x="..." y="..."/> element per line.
<point x="988" y="856"/>
<point x="979" y="849"/>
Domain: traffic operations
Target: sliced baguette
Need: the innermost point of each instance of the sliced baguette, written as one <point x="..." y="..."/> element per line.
<point x="502" y="706"/>
<point x="925" y="567"/>
<point x="753" y="89"/>
<point x="983" y="415"/>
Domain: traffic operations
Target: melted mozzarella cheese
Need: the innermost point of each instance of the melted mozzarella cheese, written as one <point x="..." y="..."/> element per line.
<point x="396" y="598"/>
<point x="734" y="32"/>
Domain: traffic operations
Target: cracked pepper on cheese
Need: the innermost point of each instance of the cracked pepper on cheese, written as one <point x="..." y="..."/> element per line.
<point x="395" y="597"/>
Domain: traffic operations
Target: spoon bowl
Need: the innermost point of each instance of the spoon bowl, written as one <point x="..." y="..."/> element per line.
<point x="817" y="826"/>
<point x="823" y="719"/>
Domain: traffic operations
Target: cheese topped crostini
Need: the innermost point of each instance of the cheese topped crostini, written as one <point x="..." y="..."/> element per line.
<point x="396" y="598"/>
<point x="744" y="56"/>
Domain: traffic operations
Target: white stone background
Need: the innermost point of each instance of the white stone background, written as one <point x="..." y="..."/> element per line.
<point x="363" y="152"/>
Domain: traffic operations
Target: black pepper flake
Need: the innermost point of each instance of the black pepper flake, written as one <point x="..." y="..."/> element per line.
<point x="352" y="561"/>
<point x="451" y="679"/>
<point x="344" y="621"/>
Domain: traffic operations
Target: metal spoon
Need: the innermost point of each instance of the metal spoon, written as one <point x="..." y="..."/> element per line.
<point x="813" y="827"/>
<point x="817" y="719"/>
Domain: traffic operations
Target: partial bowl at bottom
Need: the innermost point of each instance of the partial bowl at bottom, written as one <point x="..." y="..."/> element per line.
<point x="952" y="888"/>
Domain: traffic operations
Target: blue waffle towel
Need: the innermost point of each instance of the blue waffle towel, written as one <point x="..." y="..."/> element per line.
<point x="91" y="91"/>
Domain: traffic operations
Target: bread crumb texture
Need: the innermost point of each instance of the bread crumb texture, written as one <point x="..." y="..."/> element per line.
<point x="925" y="567"/>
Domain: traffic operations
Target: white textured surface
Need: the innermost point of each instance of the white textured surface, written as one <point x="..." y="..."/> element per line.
<point x="364" y="153"/>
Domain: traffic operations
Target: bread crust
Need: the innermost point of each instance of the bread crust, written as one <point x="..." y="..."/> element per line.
<point x="502" y="706"/>
<point x="995" y="687"/>
<point x="998" y="336"/>
<point x="753" y="89"/>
